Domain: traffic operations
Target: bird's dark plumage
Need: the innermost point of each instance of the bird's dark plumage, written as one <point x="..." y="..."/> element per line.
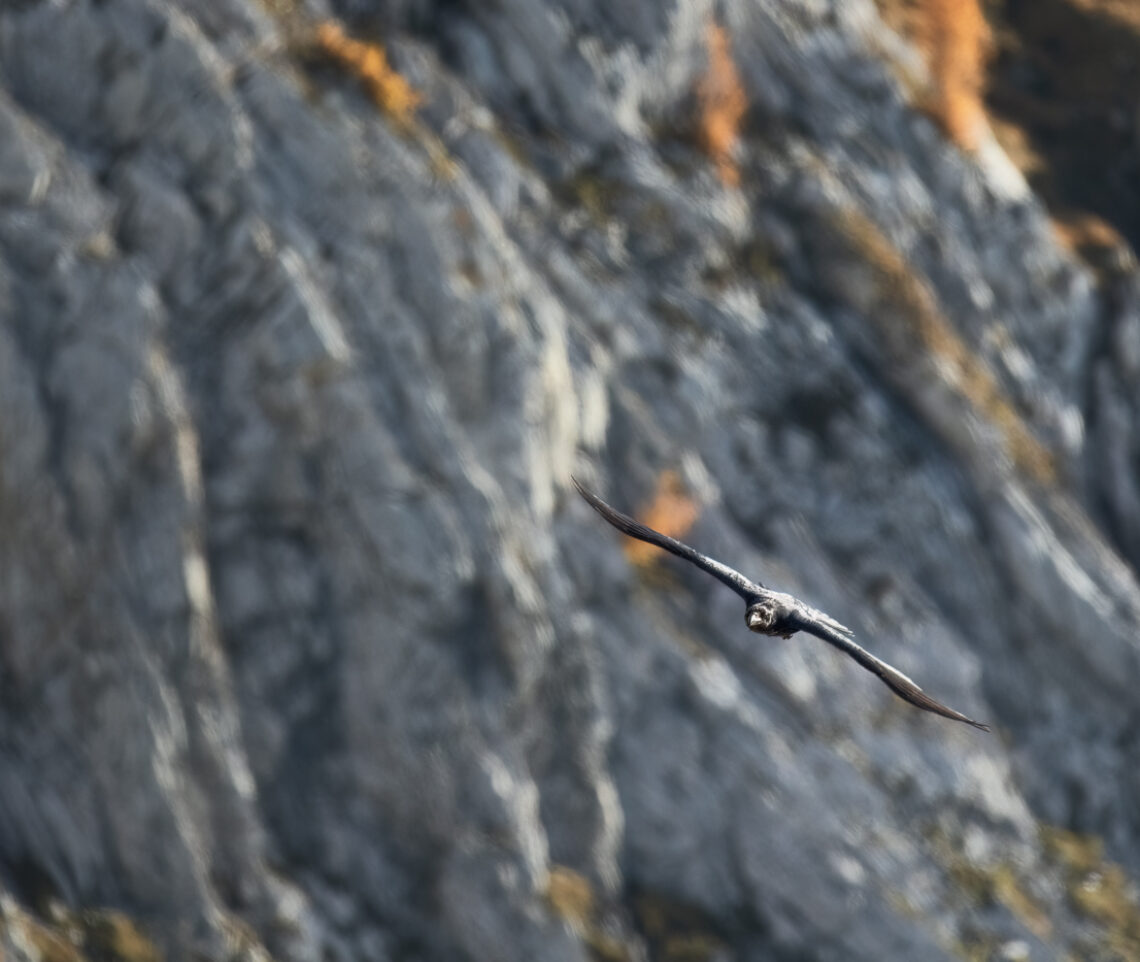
<point x="776" y="613"/>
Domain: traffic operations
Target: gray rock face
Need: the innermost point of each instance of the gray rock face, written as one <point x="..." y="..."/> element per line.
<point x="306" y="647"/>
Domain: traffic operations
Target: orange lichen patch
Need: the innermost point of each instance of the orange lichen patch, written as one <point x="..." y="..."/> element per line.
<point x="913" y="328"/>
<point x="722" y="105"/>
<point x="1109" y="897"/>
<point x="671" y="512"/>
<point x="112" y="935"/>
<point x="570" y="896"/>
<point x="37" y="938"/>
<point x="1079" y="854"/>
<point x="1082" y="229"/>
<point x="51" y="946"/>
<point x="67" y="936"/>
<point x="1010" y="891"/>
<point x="369" y="64"/>
<point x="999" y="884"/>
<point x="1094" y="239"/>
<point x="675" y="931"/>
<point x="956" y="39"/>
<point x="1098" y="889"/>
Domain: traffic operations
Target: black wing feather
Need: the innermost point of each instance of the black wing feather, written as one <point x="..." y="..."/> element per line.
<point x="899" y="683"/>
<point x="635" y="529"/>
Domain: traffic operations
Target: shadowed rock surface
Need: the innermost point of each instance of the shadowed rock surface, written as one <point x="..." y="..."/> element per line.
<point x="308" y="649"/>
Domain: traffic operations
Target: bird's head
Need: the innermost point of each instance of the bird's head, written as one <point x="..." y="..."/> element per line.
<point x="761" y="617"/>
<point x="770" y="616"/>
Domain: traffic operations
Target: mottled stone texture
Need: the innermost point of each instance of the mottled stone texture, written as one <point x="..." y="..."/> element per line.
<point x="307" y="648"/>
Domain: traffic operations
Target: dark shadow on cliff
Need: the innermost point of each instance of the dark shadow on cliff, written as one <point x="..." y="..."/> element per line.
<point x="1064" y="75"/>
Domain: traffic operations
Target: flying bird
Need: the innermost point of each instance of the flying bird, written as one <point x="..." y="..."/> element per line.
<point x="776" y="613"/>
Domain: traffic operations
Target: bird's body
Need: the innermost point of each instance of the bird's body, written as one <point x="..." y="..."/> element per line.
<point x="776" y="613"/>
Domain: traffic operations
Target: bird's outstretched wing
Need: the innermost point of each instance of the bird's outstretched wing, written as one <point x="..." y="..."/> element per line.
<point x="818" y="624"/>
<point x="804" y="618"/>
<point x="748" y="590"/>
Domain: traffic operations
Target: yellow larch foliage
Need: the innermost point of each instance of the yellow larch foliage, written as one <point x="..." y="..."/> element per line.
<point x="957" y="42"/>
<point x="723" y="104"/>
<point x="369" y="64"/>
<point x="671" y="512"/>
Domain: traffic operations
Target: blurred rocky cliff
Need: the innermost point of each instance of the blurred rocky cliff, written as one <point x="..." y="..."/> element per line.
<point x="307" y="649"/>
